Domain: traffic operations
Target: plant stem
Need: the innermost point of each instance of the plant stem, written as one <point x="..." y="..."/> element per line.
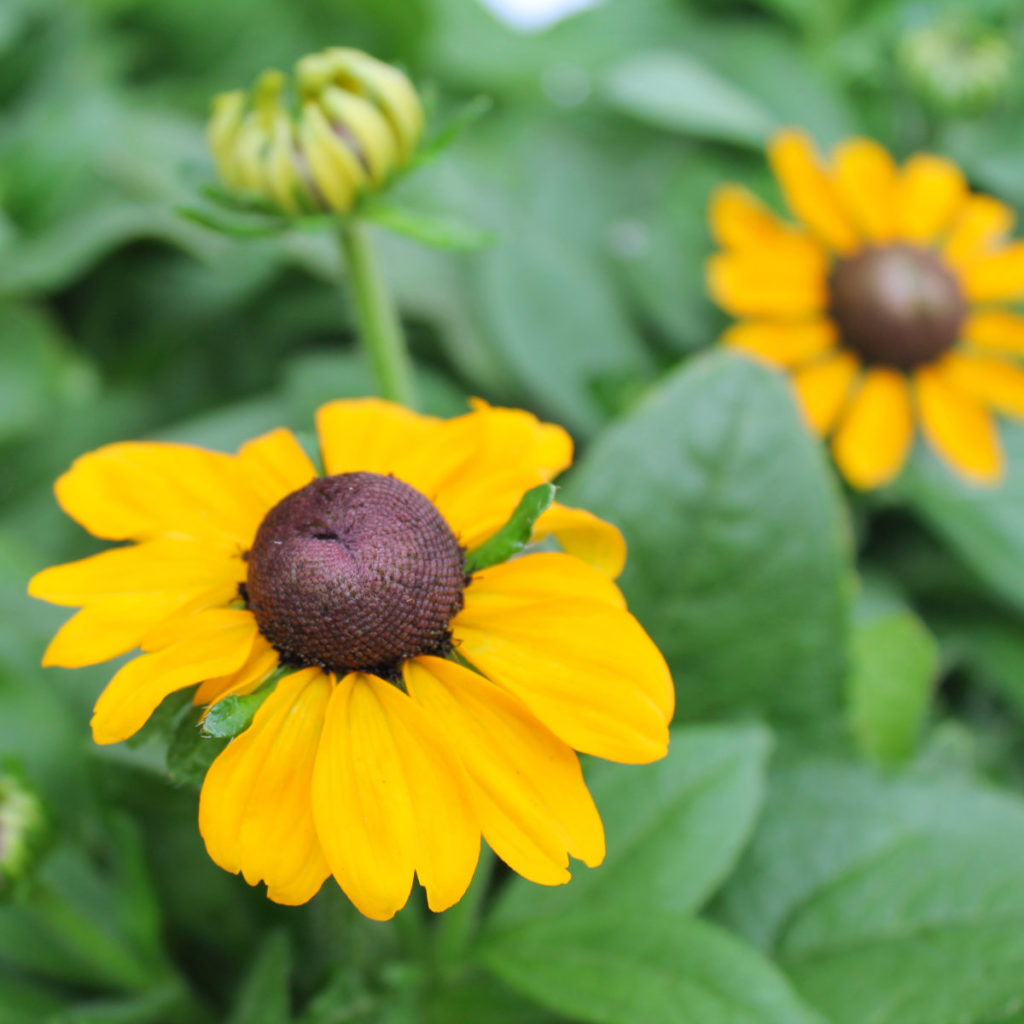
<point x="458" y="925"/>
<point x="379" y="326"/>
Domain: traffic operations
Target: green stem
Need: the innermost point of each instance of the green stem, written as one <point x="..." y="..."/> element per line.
<point x="379" y="326"/>
<point x="459" y="925"/>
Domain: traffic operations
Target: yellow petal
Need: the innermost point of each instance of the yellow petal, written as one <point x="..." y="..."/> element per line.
<point x="783" y="344"/>
<point x="996" y="276"/>
<point x="263" y="660"/>
<point x="256" y="806"/>
<point x="809" y="191"/>
<point x="865" y="181"/>
<point x="822" y="390"/>
<point x="171" y="566"/>
<point x="389" y="800"/>
<point x="763" y="285"/>
<point x="584" y="667"/>
<point x="982" y="223"/>
<point x="994" y="382"/>
<point x="876" y="434"/>
<point x="108" y="627"/>
<point x="585" y="536"/>
<point x="336" y="171"/>
<point x="526" y="784"/>
<point x="930" y="195"/>
<point x="995" y="330"/>
<point x="367" y="435"/>
<point x="739" y="220"/>
<point x="958" y="427"/>
<point x="362" y="122"/>
<point x="220" y="642"/>
<point x="141" y="490"/>
<point x="181" y="622"/>
<point x="276" y="465"/>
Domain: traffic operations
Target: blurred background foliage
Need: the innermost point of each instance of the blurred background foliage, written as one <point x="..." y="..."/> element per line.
<point x="871" y="869"/>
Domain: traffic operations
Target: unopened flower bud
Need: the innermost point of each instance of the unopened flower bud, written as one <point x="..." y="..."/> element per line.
<point x="352" y="122"/>
<point x="23" y="828"/>
<point x="957" y="65"/>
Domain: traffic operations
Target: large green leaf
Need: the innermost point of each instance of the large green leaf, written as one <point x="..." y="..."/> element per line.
<point x="674" y="828"/>
<point x="738" y="543"/>
<point x="983" y="524"/>
<point x="621" y="967"/>
<point x="896" y="902"/>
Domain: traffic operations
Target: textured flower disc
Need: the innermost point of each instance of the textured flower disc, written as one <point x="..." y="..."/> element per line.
<point x="357" y="571"/>
<point x="897" y="305"/>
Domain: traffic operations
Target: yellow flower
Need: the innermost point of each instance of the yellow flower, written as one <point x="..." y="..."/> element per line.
<point x="420" y="708"/>
<point x="357" y="121"/>
<point x="885" y="303"/>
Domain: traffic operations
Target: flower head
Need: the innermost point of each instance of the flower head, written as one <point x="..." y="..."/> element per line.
<point x="884" y="303"/>
<point x="23" y="827"/>
<point x="416" y="705"/>
<point x="352" y="123"/>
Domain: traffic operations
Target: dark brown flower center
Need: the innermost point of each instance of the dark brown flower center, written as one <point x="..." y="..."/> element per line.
<point x="356" y="571"/>
<point x="897" y="305"/>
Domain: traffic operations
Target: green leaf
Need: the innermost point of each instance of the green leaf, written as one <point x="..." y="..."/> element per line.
<point x="233" y="715"/>
<point x="674" y="828"/>
<point x="894" y="662"/>
<point x="891" y="901"/>
<point x="621" y="967"/>
<point x="435" y="230"/>
<point x="679" y="93"/>
<point x="449" y="132"/>
<point x="265" y="995"/>
<point x="236" y="228"/>
<point x="516" y="533"/>
<point x="738" y="543"/>
<point x="190" y="753"/>
<point x="982" y="524"/>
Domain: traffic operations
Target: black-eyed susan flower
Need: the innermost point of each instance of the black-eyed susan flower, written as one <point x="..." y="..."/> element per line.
<point x="414" y="707"/>
<point x="23" y="827"/>
<point x="352" y="122"/>
<point x="886" y="303"/>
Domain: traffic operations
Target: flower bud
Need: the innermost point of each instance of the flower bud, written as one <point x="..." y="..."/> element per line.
<point x="957" y="65"/>
<point x="352" y="123"/>
<point x="23" y="828"/>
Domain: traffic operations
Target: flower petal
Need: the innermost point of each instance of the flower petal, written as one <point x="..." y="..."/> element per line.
<point x="141" y="490"/>
<point x="220" y="641"/>
<point x="931" y="193"/>
<point x="809" y="191"/>
<point x="585" y="536"/>
<point x="783" y="344"/>
<point x="263" y="660"/>
<point x="994" y="382"/>
<point x="982" y="223"/>
<point x="543" y="576"/>
<point x="996" y="276"/>
<point x="276" y="465"/>
<point x="176" y="566"/>
<point x="876" y="434"/>
<point x="367" y="435"/>
<point x="389" y="799"/>
<point x="526" y="784"/>
<point x="256" y="806"/>
<point x="960" y="429"/>
<point x="763" y="285"/>
<point x="739" y="220"/>
<point x="865" y="181"/>
<point x="996" y="330"/>
<point x="584" y="667"/>
<point x="823" y="389"/>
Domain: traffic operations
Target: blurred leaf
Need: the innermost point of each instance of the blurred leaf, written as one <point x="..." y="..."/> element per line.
<point x="618" y="967"/>
<point x="739" y="553"/>
<point x="190" y="753"/>
<point x="898" y="902"/>
<point x="233" y="715"/>
<point x="983" y="524"/>
<point x="557" y="324"/>
<point x="435" y="230"/>
<point x="236" y="227"/>
<point x="516" y="533"/>
<point x="677" y="92"/>
<point x="265" y="996"/>
<point x="23" y="1001"/>
<point x="482" y="999"/>
<point x="894" y="662"/>
<point x="449" y="132"/>
<point x="674" y="829"/>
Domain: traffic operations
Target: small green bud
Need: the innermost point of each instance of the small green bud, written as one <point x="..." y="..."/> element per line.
<point x="23" y="831"/>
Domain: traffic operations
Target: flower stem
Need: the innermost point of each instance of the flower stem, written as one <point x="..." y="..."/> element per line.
<point x="379" y="326"/>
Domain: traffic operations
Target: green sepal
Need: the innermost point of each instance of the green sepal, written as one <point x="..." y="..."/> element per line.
<point x="258" y="226"/>
<point x="437" y="230"/>
<point x="233" y="715"/>
<point x="190" y="753"/>
<point x="465" y="117"/>
<point x="516" y="533"/>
